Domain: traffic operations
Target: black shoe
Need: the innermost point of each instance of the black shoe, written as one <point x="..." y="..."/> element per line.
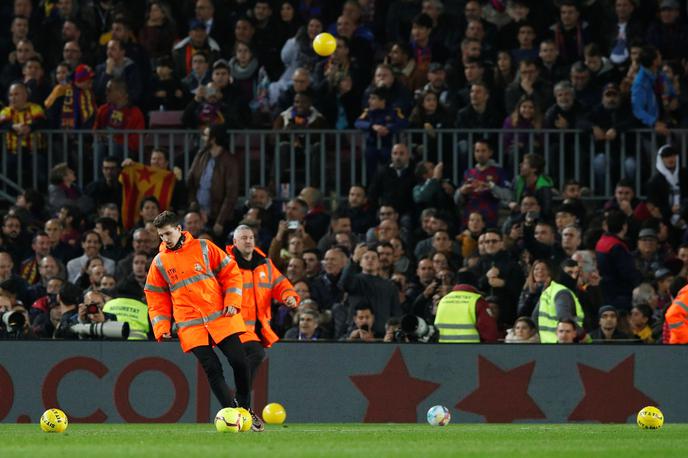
<point x="257" y="425"/>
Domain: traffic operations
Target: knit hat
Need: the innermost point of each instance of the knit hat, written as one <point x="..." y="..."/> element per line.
<point x="83" y="73"/>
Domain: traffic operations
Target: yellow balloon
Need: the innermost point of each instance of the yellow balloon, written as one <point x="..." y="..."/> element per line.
<point x="274" y="414"/>
<point x="324" y="44"/>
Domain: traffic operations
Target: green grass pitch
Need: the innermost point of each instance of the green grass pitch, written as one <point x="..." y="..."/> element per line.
<point x="346" y="440"/>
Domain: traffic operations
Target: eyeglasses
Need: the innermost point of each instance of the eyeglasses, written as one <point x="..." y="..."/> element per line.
<point x="492" y="241"/>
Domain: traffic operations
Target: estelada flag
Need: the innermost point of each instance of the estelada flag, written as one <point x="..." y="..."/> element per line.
<point x="139" y="181"/>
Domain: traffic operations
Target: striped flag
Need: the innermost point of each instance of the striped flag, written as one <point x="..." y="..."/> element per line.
<point x="139" y="181"/>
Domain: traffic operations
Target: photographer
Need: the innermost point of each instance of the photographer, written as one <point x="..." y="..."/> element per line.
<point x="14" y="320"/>
<point x="91" y="310"/>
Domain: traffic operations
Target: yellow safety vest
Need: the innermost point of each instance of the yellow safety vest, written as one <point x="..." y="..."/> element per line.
<point x="547" y="319"/>
<point x="455" y="319"/>
<point x="133" y="312"/>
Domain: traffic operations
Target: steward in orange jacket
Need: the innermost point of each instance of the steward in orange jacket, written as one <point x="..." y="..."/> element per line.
<point x="195" y="282"/>
<point x="262" y="283"/>
<point x="676" y="318"/>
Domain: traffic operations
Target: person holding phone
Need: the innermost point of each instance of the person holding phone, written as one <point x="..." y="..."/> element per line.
<point x="364" y="318"/>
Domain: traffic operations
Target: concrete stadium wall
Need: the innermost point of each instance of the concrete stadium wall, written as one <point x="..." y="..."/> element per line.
<point x="338" y="382"/>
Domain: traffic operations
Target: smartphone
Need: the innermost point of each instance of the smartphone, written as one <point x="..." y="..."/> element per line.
<point x="365" y="328"/>
<point x="292" y="225"/>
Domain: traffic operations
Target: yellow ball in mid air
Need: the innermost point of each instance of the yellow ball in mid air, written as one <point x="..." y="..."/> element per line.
<point x="53" y="421"/>
<point x="324" y="44"/>
<point x="650" y="418"/>
<point x="274" y="414"/>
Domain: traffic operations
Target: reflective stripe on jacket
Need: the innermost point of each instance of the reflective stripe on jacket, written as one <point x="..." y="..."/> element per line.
<point x="194" y="284"/>
<point x="456" y="318"/>
<point x="260" y="286"/>
<point x="677" y="318"/>
<point x="547" y="319"/>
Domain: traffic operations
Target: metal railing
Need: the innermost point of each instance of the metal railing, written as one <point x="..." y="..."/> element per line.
<point x="332" y="160"/>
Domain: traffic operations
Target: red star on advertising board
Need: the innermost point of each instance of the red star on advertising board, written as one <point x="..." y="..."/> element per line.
<point x="393" y="395"/>
<point x="502" y="396"/>
<point x="145" y="174"/>
<point x="610" y="397"/>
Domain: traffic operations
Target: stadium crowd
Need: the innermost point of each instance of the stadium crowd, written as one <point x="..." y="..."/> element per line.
<point x="534" y="259"/>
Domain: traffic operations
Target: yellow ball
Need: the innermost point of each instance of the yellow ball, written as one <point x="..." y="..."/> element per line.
<point x="650" y="418"/>
<point x="228" y="420"/>
<point x="274" y="414"/>
<point x="247" y="420"/>
<point x="53" y="421"/>
<point x="324" y="44"/>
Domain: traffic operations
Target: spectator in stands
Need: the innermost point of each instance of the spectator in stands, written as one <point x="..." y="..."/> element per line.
<point x="108" y="188"/>
<point x="566" y="332"/>
<point x="72" y="55"/>
<point x="198" y="40"/>
<point x="380" y="122"/>
<point x="158" y="34"/>
<point x="362" y="281"/>
<point x="586" y="93"/>
<point x="28" y="269"/>
<point x="21" y="120"/>
<point x="533" y="181"/>
<point x="481" y="112"/>
<point x="567" y="111"/>
<point x="399" y="97"/>
<point x="357" y="207"/>
<point x="669" y="32"/>
<point x="301" y="116"/>
<point x="59" y="248"/>
<point x="118" y="66"/>
<point x="432" y="191"/>
<point x="72" y="105"/>
<point x="236" y="112"/>
<point x="48" y="267"/>
<point x="647" y="257"/>
<point x="628" y="27"/>
<point x="206" y="109"/>
<point x="12" y="72"/>
<point x="526" y="115"/>
<point x="109" y="233"/>
<point x="213" y="180"/>
<point x="193" y="223"/>
<point x="215" y="25"/>
<point x="483" y="187"/>
<point x="615" y="262"/>
<point x="602" y="71"/>
<point x="340" y="222"/>
<point x="640" y="321"/>
<point x="34" y="77"/>
<point x="19" y="30"/>
<point x="474" y="72"/>
<point x="394" y="184"/>
<point x="316" y="219"/>
<point x="528" y="83"/>
<point x="570" y="33"/>
<point x="142" y="242"/>
<point x="15" y="238"/>
<point x="608" y="331"/>
<point x="524" y="331"/>
<point x="64" y="191"/>
<point x="326" y="289"/>
<point x="468" y="239"/>
<point x="92" y="273"/>
<point x="525" y="39"/>
<point x="91" y="244"/>
<point x="644" y="99"/>
<point x="200" y="72"/>
<point x="118" y="114"/>
<point x="167" y="91"/>
<point x="551" y="68"/>
<point x="307" y="327"/>
<point x="362" y="324"/>
<point x="668" y="188"/>
<point x="500" y="276"/>
<point x="401" y="59"/>
<point x="311" y="259"/>
<point x="430" y="115"/>
<point x="504" y="73"/>
<point x="571" y="239"/>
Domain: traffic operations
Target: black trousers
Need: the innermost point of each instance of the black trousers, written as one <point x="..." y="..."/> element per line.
<point x="255" y="354"/>
<point x="233" y="350"/>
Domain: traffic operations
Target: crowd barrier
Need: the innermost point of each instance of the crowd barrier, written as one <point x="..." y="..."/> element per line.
<point x="333" y="159"/>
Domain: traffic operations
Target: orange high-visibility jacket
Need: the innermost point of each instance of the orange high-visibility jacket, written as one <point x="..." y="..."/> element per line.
<point x="677" y="318"/>
<point x="260" y="286"/>
<point x="194" y="284"/>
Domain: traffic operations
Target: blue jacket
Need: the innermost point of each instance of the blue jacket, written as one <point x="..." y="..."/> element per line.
<point x="392" y="118"/>
<point x="643" y="97"/>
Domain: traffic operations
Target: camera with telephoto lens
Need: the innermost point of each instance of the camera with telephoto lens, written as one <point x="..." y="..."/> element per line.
<point x="13" y="321"/>
<point x="108" y="330"/>
<point x="414" y="329"/>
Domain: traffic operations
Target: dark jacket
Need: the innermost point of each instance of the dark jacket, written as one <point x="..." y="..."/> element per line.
<point x="617" y="269"/>
<point x="225" y="183"/>
<point x="395" y="189"/>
